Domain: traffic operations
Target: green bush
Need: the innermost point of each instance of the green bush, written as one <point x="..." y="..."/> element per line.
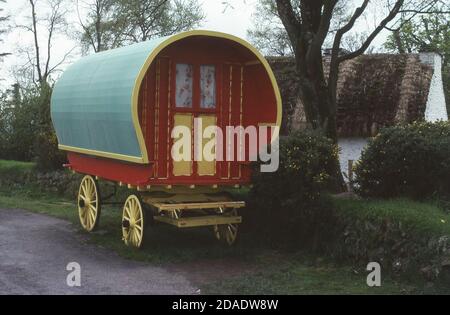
<point x="410" y="161"/>
<point x="46" y="153"/>
<point x="286" y="207"/>
<point x="26" y="131"/>
<point x="18" y="124"/>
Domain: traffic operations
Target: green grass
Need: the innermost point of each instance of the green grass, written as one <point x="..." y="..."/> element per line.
<point x="16" y="165"/>
<point x="423" y="217"/>
<point x="296" y="277"/>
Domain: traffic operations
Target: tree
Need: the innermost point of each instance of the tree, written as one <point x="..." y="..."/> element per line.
<point x="3" y="19"/>
<point x="430" y="32"/>
<point x="141" y="20"/>
<point x="39" y="61"/>
<point x="30" y="124"/>
<point x="18" y="124"/>
<point x="98" y="26"/>
<point x="269" y="35"/>
<point x="114" y="23"/>
<point x="308" y="24"/>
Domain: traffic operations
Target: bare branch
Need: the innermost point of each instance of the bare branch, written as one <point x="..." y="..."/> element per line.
<point x="392" y="14"/>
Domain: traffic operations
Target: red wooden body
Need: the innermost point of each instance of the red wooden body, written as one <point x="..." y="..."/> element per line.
<point x="244" y="96"/>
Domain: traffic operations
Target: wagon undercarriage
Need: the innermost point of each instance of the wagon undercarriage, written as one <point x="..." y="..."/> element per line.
<point x="187" y="210"/>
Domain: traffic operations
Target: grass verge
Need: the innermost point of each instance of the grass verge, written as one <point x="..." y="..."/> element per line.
<point x="425" y="218"/>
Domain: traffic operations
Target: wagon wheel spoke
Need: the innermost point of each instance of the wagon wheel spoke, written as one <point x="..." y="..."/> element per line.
<point x="227" y="233"/>
<point x="89" y="203"/>
<point x="127" y="215"/>
<point x="232" y="228"/>
<point x="138" y="236"/>
<point x="133" y="222"/>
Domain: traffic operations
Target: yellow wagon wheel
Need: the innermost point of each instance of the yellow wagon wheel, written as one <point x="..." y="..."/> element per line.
<point x="133" y="220"/>
<point x="227" y="233"/>
<point x="89" y="204"/>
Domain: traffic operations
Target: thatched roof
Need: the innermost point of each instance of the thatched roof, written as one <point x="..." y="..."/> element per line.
<point x="373" y="91"/>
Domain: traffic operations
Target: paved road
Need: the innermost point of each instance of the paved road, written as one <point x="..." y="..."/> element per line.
<point x="35" y="250"/>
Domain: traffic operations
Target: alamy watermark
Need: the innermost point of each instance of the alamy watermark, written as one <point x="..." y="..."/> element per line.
<point x="241" y="144"/>
<point x="73" y="279"/>
<point x="374" y="276"/>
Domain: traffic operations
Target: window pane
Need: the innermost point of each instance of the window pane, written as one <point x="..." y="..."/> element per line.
<point x="207" y="86"/>
<point x="183" y="96"/>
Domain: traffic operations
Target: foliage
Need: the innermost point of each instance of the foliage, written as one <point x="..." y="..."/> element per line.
<point x="26" y="130"/>
<point x="46" y="153"/>
<point x="114" y="23"/>
<point x="286" y="206"/>
<point x="427" y="33"/>
<point x="269" y="35"/>
<point x="411" y="160"/>
<point x="98" y="26"/>
<point x="18" y="124"/>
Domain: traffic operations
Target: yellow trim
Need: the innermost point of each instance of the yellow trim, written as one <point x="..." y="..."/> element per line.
<point x="197" y="221"/>
<point x="182" y="167"/>
<point x="199" y="205"/>
<point x="207" y="168"/>
<point x="229" y="111"/>
<point x="135" y="93"/>
<point x="110" y="155"/>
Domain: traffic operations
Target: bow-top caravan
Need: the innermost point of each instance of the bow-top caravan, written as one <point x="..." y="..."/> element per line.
<point x="138" y="116"/>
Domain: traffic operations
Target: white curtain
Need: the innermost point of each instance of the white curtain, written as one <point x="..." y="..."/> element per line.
<point x="184" y="74"/>
<point x="207" y="86"/>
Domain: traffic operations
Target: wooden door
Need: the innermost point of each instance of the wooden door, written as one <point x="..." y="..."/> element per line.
<point x="195" y="95"/>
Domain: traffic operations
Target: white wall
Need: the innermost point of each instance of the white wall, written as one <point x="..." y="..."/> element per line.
<point x="350" y="149"/>
<point x="435" y="108"/>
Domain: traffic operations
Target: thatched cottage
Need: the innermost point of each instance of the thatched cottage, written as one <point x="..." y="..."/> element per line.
<point x="373" y="91"/>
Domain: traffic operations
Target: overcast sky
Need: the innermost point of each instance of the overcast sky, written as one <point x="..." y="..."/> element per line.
<point x="235" y="20"/>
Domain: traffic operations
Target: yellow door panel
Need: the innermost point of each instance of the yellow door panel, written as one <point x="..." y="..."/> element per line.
<point x="183" y="167"/>
<point x="207" y="168"/>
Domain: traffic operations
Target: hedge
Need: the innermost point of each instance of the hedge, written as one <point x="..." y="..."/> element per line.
<point x="406" y="161"/>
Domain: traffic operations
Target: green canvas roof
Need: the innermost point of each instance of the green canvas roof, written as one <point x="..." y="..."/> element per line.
<point x="91" y="102"/>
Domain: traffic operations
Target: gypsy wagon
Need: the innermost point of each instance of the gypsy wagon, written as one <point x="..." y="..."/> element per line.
<point x="114" y="113"/>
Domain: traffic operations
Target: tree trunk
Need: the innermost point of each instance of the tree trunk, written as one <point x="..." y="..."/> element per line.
<point x="319" y="105"/>
<point x="316" y="97"/>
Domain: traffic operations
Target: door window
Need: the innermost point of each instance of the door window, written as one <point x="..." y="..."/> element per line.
<point x="183" y="97"/>
<point x="207" y="86"/>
